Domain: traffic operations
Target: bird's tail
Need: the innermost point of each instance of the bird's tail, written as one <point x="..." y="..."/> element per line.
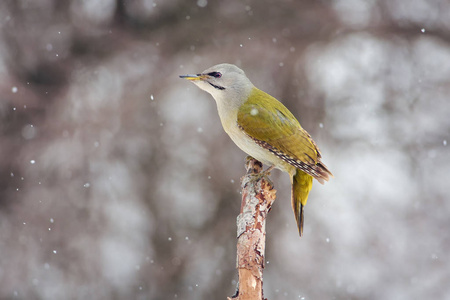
<point x="301" y="185"/>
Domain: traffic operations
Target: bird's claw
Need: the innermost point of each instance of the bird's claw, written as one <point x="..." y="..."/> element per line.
<point x="264" y="174"/>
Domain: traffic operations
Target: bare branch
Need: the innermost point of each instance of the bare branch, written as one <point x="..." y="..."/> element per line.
<point x="257" y="198"/>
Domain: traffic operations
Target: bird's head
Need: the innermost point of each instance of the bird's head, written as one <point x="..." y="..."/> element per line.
<point x="225" y="82"/>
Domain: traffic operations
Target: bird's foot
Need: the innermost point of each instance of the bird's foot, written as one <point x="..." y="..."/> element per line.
<point x="264" y="174"/>
<point x="254" y="169"/>
<point x="267" y="172"/>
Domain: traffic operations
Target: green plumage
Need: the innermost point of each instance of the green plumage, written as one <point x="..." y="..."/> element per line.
<point x="264" y="118"/>
<point x="272" y="126"/>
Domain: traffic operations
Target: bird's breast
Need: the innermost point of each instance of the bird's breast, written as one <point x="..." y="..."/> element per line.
<point x="248" y="145"/>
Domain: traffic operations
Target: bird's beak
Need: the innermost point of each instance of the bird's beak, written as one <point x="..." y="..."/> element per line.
<point x="194" y="77"/>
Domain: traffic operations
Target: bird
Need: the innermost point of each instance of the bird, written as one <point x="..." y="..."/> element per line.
<point x="265" y="129"/>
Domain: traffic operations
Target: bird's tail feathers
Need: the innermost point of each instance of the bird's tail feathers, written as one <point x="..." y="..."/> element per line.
<point x="301" y="185"/>
<point x="321" y="172"/>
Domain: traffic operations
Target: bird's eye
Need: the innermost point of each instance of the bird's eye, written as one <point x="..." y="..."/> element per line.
<point x="215" y="74"/>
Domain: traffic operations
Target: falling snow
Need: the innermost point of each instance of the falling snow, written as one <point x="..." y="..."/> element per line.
<point x="254" y="111"/>
<point x="106" y="184"/>
<point x="202" y="3"/>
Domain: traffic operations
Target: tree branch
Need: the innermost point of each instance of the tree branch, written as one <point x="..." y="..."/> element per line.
<point x="257" y="198"/>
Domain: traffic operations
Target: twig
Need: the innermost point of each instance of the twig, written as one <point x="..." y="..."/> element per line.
<point x="257" y="198"/>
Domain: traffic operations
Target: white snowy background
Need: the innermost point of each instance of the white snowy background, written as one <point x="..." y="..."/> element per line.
<point x="118" y="182"/>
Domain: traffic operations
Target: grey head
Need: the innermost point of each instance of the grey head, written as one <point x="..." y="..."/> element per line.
<point x="225" y="82"/>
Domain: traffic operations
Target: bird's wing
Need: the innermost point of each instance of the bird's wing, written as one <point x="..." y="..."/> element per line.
<point x="277" y="130"/>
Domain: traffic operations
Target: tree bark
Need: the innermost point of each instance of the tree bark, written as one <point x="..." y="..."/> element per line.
<point x="257" y="198"/>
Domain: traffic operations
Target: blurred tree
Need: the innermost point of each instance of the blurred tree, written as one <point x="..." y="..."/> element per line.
<point x="117" y="181"/>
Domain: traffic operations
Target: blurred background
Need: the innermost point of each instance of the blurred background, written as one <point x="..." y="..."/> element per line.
<point x="118" y="182"/>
